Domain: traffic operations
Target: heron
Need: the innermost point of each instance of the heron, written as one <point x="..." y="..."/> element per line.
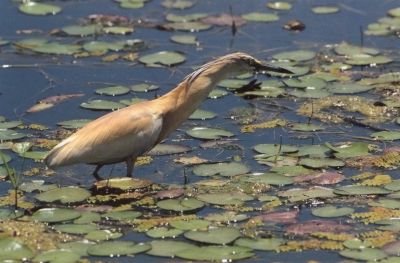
<point x="126" y="134"/>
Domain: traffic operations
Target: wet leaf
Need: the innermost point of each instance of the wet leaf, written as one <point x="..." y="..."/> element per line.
<point x="225" y="198"/>
<point x="346" y="49"/>
<point x="260" y="243"/>
<point x="360" y="190"/>
<point x="117" y="248"/>
<point x="224" y="20"/>
<point x="200" y="114"/>
<point x="102" y="46"/>
<point x="118" y="30"/>
<point x="165" y="58"/>
<point x="75" y="228"/>
<point x="306" y="127"/>
<point x="144" y="87"/>
<point x="367" y="254"/>
<point x="180" y="205"/>
<point x="321" y="162"/>
<point x="177" y="4"/>
<point x="34" y="8"/>
<point x="122" y="215"/>
<point x="168" y="248"/>
<point x="193" y="224"/>
<point x="221" y="235"/>
<point x="56" y="48"/>
<point x="332" y="211"/>
<point x="279" y="5"/>
<point x="354" y="149"/>
<point x="208" y="133"/>
<point x="163" y="232"/>
<point x="348" y="88"/>
<point x="123" y="183"/>
<point x="187" y="26"/>
<point x="64" y="195"/>
<point x="220" y="169"/>
<point x="322" y="10"/>
<point x="270" y="178"/>
<point x="385" y="135"/>
<point x="10" y="124"/>
<point x="260" y="17"/>
<point x="274" y="149"/>
<point x="365" y="60"/>
<point x="9" y="135"/>
<point x="78" y="247"/>
<point x="102" y="105"/>
<point x="312" y="226"/>
<point x="12" y="249"/>
<point x="184" y="39"/>
<point x="53" y="215"/>
<point x="102" y="235"/>
<point x="185" y="17"/>
<point x="74" y="124"/>
<point x="299" y="55"/>
<point x="215" y="253"/>
<point x="113" y="91"/>
<point x="82" y="30"/>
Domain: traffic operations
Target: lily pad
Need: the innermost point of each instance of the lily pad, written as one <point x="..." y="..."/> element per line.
<point x="163" y="232"/>
<point x="102" y="235"/>
<point x="217" y="93"/>
<point x="221" y="169"/>
<point x="102" y="46"/>
<point x="260" y="17"/>
<point x="332" y="211"/>
<point x="361" y="190"/>
<point x="270" y="178"/>
<point x="346" y="49"/>
<point x="117" y="248"/>
<point x="102" y="105"/>
<point x="221" y="235"/>
<point x="184" y="39"/>
<point x="194" y="26"/>
<point x="190" y="224"/>
<point x="274" y="149"/>
<point x="208" y="133"/>
<point x="298" y="55"/>
<point x="34" y="8"/>
<point x="10" y="124"/>
<point x="6" y="214"/>
<point x="9" y="135"/>
<point x="260" y="243"/>
<point x="279" y="5"/>
<point x="78" y="247"/>
<point x="354" y="149"/>
<point x="53" y="215"/>
<point x="4" y="158"/>
<point x="144" y="87"/>
<point x="36" y="155"/>
<point x="367" y="254"/>
<point x="75" y="228"/>
<point x="383" y="135"/>
<point x="13" y="250"/>
<point x="177" y="4"/>
<point x="305" y="127"/>
<point x="113" y="91"/>
<point x="180" y="205"/>
<point x="64" y="195"/>
<point x="321" y="162"/>
<point x="123" y="183"/>
<point x="168" y="248"/>
<point x="82" y="30"/>
<point x="215" y="253"/>
<point x="74" y="124"/>
<point x="56" y="48"/>
<point x="122" y="215"/>
<point x="322" y="10"/>
<point x="165" y="58"/>
<point x="118" y="30"/>
<point x="185" y="17"/>
<point x="225" y="198"/>
<point x="348" y="88"/>
<point x="202" y="115"/>
<point x="365" y="60"/>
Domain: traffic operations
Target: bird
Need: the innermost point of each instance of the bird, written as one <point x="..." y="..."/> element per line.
<point x="126" y="134"/>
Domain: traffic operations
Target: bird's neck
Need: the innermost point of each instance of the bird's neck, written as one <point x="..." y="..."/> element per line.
<point x="181" y="102"/>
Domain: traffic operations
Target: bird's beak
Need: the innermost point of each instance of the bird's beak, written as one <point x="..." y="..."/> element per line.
<point x="264" y="67"/>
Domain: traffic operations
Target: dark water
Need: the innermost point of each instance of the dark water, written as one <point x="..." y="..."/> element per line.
<point x="34" y="77"/>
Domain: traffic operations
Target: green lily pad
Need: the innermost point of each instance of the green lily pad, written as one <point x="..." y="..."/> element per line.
<point x="305" y="127"/>
<point x="118" y="30"/>
<point x="202" y="115"/>
<point x="144" y="87"/>
<point x="10" y="124"/>
<point x="123" y="183"/>
<point x="260" y="243"/>
<point x="102" y="105"/>
<point x="117" y="248"/>
<point x="395" y="12"/>
<point x="78" y="247"/>
<point x="290" y="170"/>
<point x="321" y="162"/>
<point x="221" y="169"/>
<point x="346" y="49"/>
<point x="53" y="215"/>
<point x="12" y="250"/>
<point x="226" y="217"/>
<point x="221" y="235"/>
<point x="177" y="4"/>
<point x="180" y="205"/>
<point x="184" y="39"/>
<point x="367" y="254"/>
<point x="354" y="149"/>
<point x="33" y="8"/>
<point x="74" y="124"/>
<point x="122" y="215"/>
<point x="216" y="253"/>
<point x="4" y="158"/>
<point x="9" y="135"/>
<point x="163" y="232"/>
<point x="113" y="91"/>
<point x="36" y="185"/>
<point x="387" y="203"/>
<point x="348" y="88"/>
<point x="393" y="186"/>
<point x="270" y="178"/>
<point x="168" y="248"/>
<point x="313" y="151"/>
<point x="131" y="101"/>
<point x="165" y="58"/>
<point x="232" y="83"/>
<point x="365" y="60"/>
<point x="310" y="93"/>
<point x="87" y="218"/>
<point x="260" y="17"/>
<point x="361" y="190"/>
<point x="188" y="26"/>
<point x="298" y="55"/>
<point x="36" y="155"/>
<point x="56" y="48"/>
<point x="225" y="198"/>
<point x="75" y="228"/>
<point x="279" y="5"/>
<point x="217" y="93"/>
<point x="190" y="224"/>
<point x="332" y="211"/>
<point x="65" y="195"/>
<point x="102" y="46"/>
<point x="322" y="10"/>
<point x="185" y="17"/>
<point x="82" y="30"/>
<point x="208" y="133"/>
<point x="102" y="235"/>
<point x="131" y="4"/>
<point x="383" y="135"/>
<point x="274" y="149"/>
<point x="357" y="243"/>
<point x="6" y="214"/>
<point x="306" y="82"/>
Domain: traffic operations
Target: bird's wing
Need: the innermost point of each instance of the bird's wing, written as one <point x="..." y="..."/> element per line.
<point x="112" y="138"/>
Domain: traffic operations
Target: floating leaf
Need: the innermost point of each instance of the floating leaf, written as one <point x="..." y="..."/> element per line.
<point x="144" y="87"/>
<point x="53" y="215"/>
<point x="208" y="133"/>
<point x="177" y="4"/>
<point x="118" y="30"/>
<point x="383" y="135"/>
<point x="168" y="248"/>
<point x="6" y="214"/>
<point x="367" y="254"/>
<point x="180" y="205"/>
<point x="163" y="232"/>
<point x="332" y="211"/>
<point x="9" y="135"/>
<point x="365" y="60"/>
<point x="57" y="48"/>
<point x="184" y="39"/>
<point x="321" y="162"/>
<point x="33" y="8"/>
<point x="274" y="149"/>
<point x="260" y="243"/>
<point x="36" y="155"/>
<point x="306" y="127"/>
<point x="299" y="55"/>
<point x="188" y="26"/>
<point x="166" y="58"/>
<point x="12" y="250"/>
<point x="64" y="195"/>
<point x="202" y="115"/>
<point x="215" y="253"/>
<point x="101" y="235"/>
<point x="354" y="149"/>
<point x="185" y="17"/>
<point x="348" y="88"/>
<point x="190" y="224"/>
<point x="321" y="10"/>
<point x="225" y="198"/>
<point x="102" y="46"/>
<point x="279" y="5"/>
<point x="260" y="17"/>
<point x="346" y="49"/>
<point x="306" y="82"/>
<point x="122" y="215"/>
<point x="82" y="30"/>
<point x="113" y="91"/>
<point x="123" y="183"/>
<point x="74" y="124"/>
<point x="221" y="169"/>
<point x="270" y="178"/>
<point x="114" y="248"/>
<point x="221" y="235"/>
<point x="360" y="190"/>
<point x="4" y="158"/>
<point x="78" y="247"/>
<point x="102" y="105"/>
<point x="10" y="124"/>
<point x="75" y="228"/>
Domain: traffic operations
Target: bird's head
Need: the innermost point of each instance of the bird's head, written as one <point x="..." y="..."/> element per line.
<point x="242" y="62"/>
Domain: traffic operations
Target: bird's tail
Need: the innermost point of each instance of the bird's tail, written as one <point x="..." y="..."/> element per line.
<point x="57" y="156"/>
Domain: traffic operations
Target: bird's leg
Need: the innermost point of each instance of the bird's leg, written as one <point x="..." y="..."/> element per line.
<point x="129" y="166"/>
<point x="95" y="173"/>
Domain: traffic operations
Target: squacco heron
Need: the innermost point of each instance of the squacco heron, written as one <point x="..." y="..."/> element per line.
<point x="123" y="135"/>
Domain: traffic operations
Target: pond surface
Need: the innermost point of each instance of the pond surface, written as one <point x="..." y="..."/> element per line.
<point x="305" y="166"/>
